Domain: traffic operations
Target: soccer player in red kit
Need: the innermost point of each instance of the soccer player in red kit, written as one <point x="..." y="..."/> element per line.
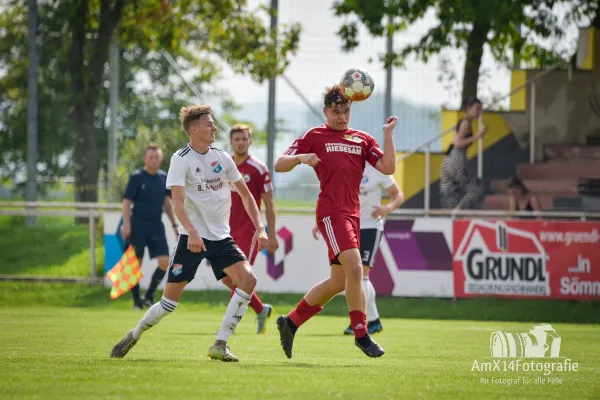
<point x="339" y="155"/>
<point x="257" y="178"/>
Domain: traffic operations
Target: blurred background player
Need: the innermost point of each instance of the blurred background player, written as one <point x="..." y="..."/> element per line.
<point x="199" y="177"/>
<point x="257" y="178"/>
<point x="372" y="216"/>
<point x="142" y="227"/>
<point x="338" y="155"/>
<point x="459" y="188"/>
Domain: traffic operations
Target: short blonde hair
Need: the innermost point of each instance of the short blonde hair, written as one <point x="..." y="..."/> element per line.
<point x="237" y="128"/>
<point x="190" y="114"/>
<point x="152" y="146"/>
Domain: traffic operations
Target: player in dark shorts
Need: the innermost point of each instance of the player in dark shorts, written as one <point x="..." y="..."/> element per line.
<point x="199" y="178"/>
<point x="338" y="155"/>
<point x="142" y="227"/>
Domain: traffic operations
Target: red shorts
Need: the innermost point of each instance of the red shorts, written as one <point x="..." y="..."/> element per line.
<point x="341" y="232"/>
<point x="245" y="244"/>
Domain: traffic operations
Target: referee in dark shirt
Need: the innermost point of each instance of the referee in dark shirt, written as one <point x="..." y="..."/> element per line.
<point x="142" y="227"/>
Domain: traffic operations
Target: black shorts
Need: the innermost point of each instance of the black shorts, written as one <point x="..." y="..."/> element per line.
<point x="148" y="234"/>
<point x="220" y="253"/>
<point x="369" y="244"/>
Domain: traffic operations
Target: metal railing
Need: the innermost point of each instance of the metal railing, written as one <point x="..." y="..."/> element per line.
<point x="93" y="211"/>
<point x="426" y="146"/>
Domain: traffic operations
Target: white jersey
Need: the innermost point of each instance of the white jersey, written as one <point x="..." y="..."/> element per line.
<point x="206" y="179"/>
<point x="370" y="196"/>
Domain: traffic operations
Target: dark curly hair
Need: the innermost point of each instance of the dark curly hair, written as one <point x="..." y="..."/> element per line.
<point x="333" y="96"/>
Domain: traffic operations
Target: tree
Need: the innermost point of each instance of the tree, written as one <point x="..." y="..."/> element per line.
<point x="74" y="38"/>
<point x="168" y="135"/>
<point x="53" y="134"/>
<point x="463" y="24"/>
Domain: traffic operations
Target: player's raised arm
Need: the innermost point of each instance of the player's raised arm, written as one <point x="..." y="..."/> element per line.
<point x="298" y="153"/>
<point x="286" y="163"/>
<point x="387" y="164"/>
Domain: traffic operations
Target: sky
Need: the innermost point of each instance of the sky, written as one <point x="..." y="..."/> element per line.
<point x="320" y="61"/>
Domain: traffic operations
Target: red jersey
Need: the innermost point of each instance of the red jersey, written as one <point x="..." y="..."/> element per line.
<point x="257" y="178"/>
<point x="343" y="155"/>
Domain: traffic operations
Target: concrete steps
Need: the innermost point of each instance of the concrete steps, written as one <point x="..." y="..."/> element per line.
<point x="555" y="182"/>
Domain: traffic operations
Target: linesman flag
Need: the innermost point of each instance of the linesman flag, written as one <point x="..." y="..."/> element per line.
<point x="125" y="274"/>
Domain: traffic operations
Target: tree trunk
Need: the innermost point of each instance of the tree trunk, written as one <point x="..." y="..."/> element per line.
<point x="477" y="39"/>
<point x="85" y="154"/>
<point x="86" y="75"/>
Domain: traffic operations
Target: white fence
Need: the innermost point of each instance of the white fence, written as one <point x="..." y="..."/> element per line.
<point x="306" y="250"/>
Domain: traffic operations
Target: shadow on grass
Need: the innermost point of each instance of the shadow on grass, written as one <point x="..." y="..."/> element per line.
<point x="18" y="294"/>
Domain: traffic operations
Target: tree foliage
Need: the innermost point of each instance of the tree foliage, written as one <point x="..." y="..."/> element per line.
<point x="170" y="137"/>
<point x="74" y="38"/>
<point x="506" y="26"/>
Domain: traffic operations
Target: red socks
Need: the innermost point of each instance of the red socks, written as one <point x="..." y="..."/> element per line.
<point x="255" y="302"/>
<point x="303" y="312"/>
<point x="358" y="321"/>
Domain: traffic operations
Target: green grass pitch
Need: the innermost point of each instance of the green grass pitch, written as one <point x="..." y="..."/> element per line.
<point x="58" y="352"/>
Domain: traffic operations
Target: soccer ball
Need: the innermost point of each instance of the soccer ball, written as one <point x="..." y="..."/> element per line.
<point x="357" y="84"/>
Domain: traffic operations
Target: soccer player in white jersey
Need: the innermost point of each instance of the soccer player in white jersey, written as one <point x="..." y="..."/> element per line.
<point x="372" y="214"/>
<point x="199" y="178"/>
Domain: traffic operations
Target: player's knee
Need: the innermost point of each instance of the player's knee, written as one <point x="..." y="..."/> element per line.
<point x="163" y="263"/>
<point x="354" y="273"/>
<point x="247" y="282"/>
<point x="252" y="280"/>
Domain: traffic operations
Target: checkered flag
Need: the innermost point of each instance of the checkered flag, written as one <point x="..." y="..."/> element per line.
<point x="125" y="274"/>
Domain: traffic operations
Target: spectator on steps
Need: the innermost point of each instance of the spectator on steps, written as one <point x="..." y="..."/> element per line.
<point x="520" y="199"/>
<point x="459" y="189"/>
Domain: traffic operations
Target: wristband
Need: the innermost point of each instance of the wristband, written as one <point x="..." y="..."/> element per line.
<point x="174" y="226"/>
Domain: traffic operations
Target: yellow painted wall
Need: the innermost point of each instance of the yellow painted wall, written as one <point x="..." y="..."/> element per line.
<point x="518" y="100"/>
<point x="497" y="129"/>
<point x="450" y="119"/>
<point x="410" y="173"/>
<point x="588" y="61"/>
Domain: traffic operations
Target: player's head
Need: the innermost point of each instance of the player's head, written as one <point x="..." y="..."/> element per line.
<point x="153" y="157"/>
<point x="472" y="107"/>
<point x="198" y="123"/>
<point x="240" y="137"/>
<point x="336" y="108"/>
